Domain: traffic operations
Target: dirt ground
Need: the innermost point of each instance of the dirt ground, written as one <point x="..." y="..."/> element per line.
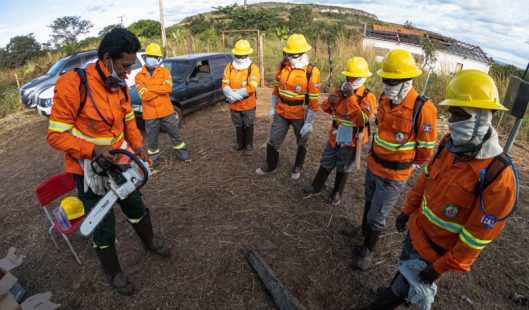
<point x="213" y="210"/>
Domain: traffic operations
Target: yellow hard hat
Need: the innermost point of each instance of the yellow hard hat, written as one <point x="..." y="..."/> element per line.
<point x="473" y="89"/>
<point x="153" y="49"/>
<point x="399" y="64"/>
<point x="73" y="207"/>
<point x="357" y="67"/>
<point x="242" y="47"/>
<point x="297" y="44"/>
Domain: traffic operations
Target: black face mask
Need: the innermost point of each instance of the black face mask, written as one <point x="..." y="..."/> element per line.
<point x="110" y="81"/>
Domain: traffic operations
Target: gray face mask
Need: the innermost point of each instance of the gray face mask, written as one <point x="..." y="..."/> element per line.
<point x="114" y="78"/>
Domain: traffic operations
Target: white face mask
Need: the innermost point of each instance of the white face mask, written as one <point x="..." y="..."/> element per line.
<point x="241" y="63"/>
<point x="398" y="92"/>
<point x="151" y="62"/>
<point x="357" y="83"/>
<point x="300" y="62"/>
<point x="473" y="130"/>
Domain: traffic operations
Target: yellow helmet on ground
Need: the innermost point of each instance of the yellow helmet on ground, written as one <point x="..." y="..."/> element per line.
<point x="73" y="207"/>
<point x="153" y="49"/>
<point x="297" y="44"/>
<point x="242" y="47"/>
<point x="473" y="89"/>
<point x="357" y="67"/>
<point x="399" y="64"/>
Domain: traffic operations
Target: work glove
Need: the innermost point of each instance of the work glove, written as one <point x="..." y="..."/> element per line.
<point x="416" y="166"/>
<point x="307" y="127"/>
<point x="231" y="95"/>
<point x="242" y="92"/>
<point x="333" y="100"/>
<point x="401" y="222"/>
<point x="142" y="153"/>
<point x="347" y="89"/>
<point x="274" y="104"/>
<point x="429" y="275"/>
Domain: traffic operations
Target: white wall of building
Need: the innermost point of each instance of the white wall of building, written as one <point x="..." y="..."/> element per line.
<point x="446" y="62"/>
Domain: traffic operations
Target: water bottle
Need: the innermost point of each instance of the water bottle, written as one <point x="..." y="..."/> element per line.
<point x="62" y="219"/>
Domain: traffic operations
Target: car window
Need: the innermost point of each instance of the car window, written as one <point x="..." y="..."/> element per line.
<point x="72" y="64"/>
<point x="56" y="67"/>
<point x="88" y="58"/>
<point x="201" y="70"/>
<point x="178" y="69"/>
<point x="218" y="65"/>
<point x="137" y="64"/>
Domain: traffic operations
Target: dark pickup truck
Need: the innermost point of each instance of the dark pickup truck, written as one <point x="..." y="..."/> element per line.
<point x="197" y="80"/>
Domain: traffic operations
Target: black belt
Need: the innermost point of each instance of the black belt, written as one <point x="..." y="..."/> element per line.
<point x="292" y="102"/>
<point x="394" y="165"/>
<point x="437" y="248"/>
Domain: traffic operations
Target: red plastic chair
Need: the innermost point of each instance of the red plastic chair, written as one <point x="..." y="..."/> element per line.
<point x="48" y="191"/>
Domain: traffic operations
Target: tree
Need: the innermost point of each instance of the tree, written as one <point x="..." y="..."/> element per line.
<point x="107" y="29"/>
<point x="19" y="50"/>
<point x="430" y="49"/>
<point x="66" y="30"/>
<point x="409" y="24"/>
<point x="300" y="17"/>
<point x="198" y="24"/>
<point x="146" y="28"/>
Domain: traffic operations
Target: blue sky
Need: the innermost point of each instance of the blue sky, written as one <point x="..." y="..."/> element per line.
<point x="501" y="28"/>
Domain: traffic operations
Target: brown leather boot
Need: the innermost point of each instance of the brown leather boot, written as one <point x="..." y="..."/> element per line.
<point x="110" y="263"/>
<point x="144" y="230"/>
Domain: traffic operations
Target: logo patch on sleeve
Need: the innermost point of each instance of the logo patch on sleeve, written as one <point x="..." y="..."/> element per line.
<point x="399" y="136"/>
<point x="367" y="107"/>
<point x="488" y="222"/>
<point x="427" y="128"/>
<point x="318" y="85"/>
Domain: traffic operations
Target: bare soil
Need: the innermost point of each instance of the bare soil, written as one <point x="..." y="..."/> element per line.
<point x="213" y="210"/>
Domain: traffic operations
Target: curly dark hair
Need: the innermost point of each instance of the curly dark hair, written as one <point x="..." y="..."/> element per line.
<point x="117" y="42"/>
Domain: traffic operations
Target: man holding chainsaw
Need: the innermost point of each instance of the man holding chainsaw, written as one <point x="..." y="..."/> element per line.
<point x="461" y="202"/>
<point x="405" y="137"/>
<point x="294" y="103"/>
<point x="351" y="104"/>
<point x="91" y="116"/>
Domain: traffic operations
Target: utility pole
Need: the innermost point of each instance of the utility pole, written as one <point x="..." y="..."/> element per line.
<point x="245" y="6"/>
<point x="162" y="24"/>
<point x="121" y="20"/>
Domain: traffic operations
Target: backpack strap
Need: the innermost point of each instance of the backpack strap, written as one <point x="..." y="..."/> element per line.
<point x="417" y="108"/>
<point x="493" y="170"/>
<point x="82" y="89"/>
<point x="309" y="75"/>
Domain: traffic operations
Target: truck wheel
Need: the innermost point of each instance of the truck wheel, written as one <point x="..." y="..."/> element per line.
<point x="179" y="116"/>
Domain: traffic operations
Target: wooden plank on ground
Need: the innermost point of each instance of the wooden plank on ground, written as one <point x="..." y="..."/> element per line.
<point x="282" y="297"/>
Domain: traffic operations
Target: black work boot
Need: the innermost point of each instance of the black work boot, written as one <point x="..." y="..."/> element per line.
<point x="248" y="140"/>
<point x="317" y="184"/>
<point x="272" y="157"/>
<point x="144" y="230"/>
<point x="239" y="136"/>
<point x="355" y="231"/>
<point x="386" y="300"/>
<point x="110" y="263"/>
<point x="339" y="185"/>
<point x="298" y="164"/>
<point x="363" y="261"/>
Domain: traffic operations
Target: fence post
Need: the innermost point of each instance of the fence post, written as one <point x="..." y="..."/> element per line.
<point x="190" y="44"/>
<point x="260" y="57"/>
<point x="223" y="42"/>
<point x="18" y="88"/>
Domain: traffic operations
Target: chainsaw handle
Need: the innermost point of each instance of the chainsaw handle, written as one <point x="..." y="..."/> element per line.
<point x="136" y="160"/>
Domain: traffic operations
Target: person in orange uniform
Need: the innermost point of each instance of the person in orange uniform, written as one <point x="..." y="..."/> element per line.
<point x="294" y="103"/>
<point x="154" y="85"/>
<point x="406" y="136"/>
<point x="239" y="84"/>
<point x="461" y="202"/>
<point x="86" y="130"/>
<point x="351" y="104"/>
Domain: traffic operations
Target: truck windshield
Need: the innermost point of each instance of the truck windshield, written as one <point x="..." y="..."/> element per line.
<point x="56" y="67"/>
<point x="178" y="69"/>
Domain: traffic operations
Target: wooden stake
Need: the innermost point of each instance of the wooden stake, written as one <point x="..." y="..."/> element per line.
<point x="190" y="44"/>
<point x="260" y="56"/>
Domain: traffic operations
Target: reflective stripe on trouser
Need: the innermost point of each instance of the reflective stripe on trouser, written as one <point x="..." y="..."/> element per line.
<point x="104" y="234"/>
<point x="401" y="286"/>
<point x="152" y="129"/>
<point x="243" y="118"/>
<point x="279" y="131"/>
<point x="382" y="194"/>
<point x="339" y="157"/>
